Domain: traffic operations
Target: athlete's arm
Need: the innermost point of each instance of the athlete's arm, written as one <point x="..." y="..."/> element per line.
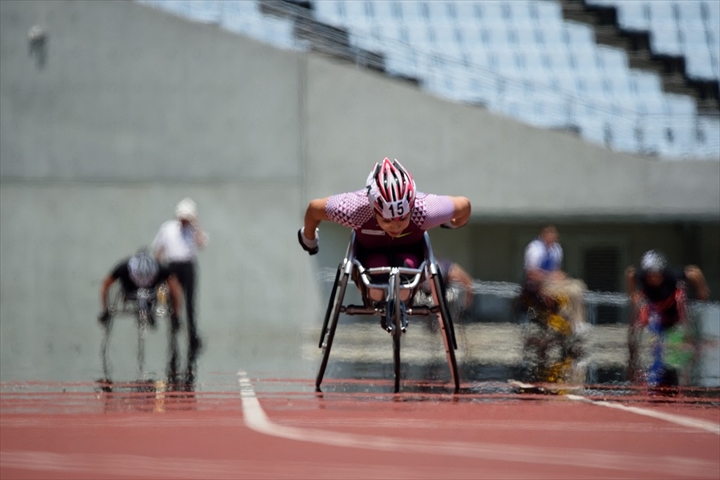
<point x="462" y="212"/>
<point x="104" y="291"/>
<point x="697" y="280"/>
<point x="315" y="214"/>
<point x="457" y="274"/>
<point x="630" y="281"/>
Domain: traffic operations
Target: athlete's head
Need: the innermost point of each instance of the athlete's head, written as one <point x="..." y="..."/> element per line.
<point x="186" y="210"/>
<point x="549" y="234"/>
<point x="143" y="269"/>
<point x="653" y="263"/>
<point x="391" y="191"/>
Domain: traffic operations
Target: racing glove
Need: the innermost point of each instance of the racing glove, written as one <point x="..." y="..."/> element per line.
<point x="104" y="317"/>
<point x="310" y="246"/>
<point x="449" y="224"/>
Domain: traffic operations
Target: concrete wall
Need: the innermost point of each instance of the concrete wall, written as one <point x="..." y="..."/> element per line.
<point x="133" y="111"/>
<point x="136" y="109"/>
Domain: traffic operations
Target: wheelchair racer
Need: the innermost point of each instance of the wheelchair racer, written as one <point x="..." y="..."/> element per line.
<point x="389" y="217"/>
<point x="141" y="271"/>
<point x="658" y="296"/>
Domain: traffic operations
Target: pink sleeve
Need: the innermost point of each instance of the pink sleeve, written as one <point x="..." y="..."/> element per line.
<point x="432" y="210"/>
<point x="350" y="210"/>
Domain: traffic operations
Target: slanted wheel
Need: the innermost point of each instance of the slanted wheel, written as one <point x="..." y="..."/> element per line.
<point x="447" y="329"/>
<point x="331" y="302"/>
<point x="331" y="316"/>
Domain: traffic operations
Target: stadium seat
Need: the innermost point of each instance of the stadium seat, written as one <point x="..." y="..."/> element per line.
<point x="623" y="134"/>
<point x="645" y="84"/>
<point x="413" y="12"/>
<point x="665" y="41"/>
<point x="681" y="105"/>
<point x="594" y="129"/>
<point x="663" y="10"/>
<point x="689" y="12"/>
<point x="633" y="15"/>
<point x="326" y="11"/>
<point x="385" y="12"/>
<point x="466" y="13"/>
<point x="709" y="137"/>
<point x="612" y="60"/>
<point x="546" y="13"/>
<point x="699" y="64"/>
<point x="578" y="35"/>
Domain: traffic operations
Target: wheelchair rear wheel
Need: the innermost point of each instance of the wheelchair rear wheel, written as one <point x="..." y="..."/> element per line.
<point x="447" y="330"/>
<point x="331" y="316"/>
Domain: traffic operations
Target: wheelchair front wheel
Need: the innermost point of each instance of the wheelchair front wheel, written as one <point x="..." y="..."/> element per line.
<point x="397" y="322"/>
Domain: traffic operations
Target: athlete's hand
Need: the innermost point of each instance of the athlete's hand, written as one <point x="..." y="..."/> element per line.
<point x="310" y="246"/>
<point x="450" y="224"/>
<point x="104" y="317"/>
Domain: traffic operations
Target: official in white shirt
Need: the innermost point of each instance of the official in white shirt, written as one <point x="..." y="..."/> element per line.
<point x="176" y="244"/>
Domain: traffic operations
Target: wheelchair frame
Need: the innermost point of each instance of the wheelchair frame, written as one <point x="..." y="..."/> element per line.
<point x="395" y="291"/>
<point x="147" y="302"/>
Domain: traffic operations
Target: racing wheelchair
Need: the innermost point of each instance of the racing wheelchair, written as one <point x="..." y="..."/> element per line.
<point x="145" y="305"/>
<point x="393" y="301"/>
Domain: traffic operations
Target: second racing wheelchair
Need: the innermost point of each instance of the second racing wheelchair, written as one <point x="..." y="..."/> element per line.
<point x="392" y="301"/>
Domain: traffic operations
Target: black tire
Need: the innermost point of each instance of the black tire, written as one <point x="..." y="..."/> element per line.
<point x="396" y="334"/>
<point x="104" y="347"/>
<point x="142" y="332"/>
<point x="331" y="302"/>
<point x="444" y="311"/>
<point x="448" y="332"/>
<point x="335" y="315"/>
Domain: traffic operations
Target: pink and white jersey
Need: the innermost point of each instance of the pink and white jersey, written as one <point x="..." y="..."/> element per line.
<point x="353" y="210"/>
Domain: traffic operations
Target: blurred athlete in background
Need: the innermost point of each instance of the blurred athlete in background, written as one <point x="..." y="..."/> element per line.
<point x="658" y="296"/>
<point x="141" y="271"/>
<point x="546" y="286"/>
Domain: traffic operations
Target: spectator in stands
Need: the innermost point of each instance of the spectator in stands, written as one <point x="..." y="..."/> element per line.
<point x="140" y="271"/>
<point x="547" y="285"/>
<point x="176" y="244"/>
<point x="657" y="294"/>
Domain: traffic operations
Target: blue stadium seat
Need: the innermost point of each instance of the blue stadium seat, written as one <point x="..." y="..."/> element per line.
<point x="699" y="64"/>
<point x="326" y="11"/>
<point x="634" y="15"/>
<point x="467" y="12"/>
<point x="681" y="105"/>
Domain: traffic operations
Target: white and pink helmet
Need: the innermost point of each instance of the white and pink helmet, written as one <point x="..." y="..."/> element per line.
<point x="391" y="190"/>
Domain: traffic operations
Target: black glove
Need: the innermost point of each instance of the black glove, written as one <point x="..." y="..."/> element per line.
<point x="104" y="317"/>
<point x="448" y="224"/>
<point x="310" y="246"/>
<point x="174" y="322"/>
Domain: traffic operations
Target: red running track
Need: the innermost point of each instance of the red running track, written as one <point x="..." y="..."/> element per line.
<point x="261" y="430"/>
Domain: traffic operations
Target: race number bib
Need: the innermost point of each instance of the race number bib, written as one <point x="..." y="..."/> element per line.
<point x="396" y="209"/>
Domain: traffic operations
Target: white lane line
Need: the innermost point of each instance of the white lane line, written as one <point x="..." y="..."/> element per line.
<point x="683" y="467"/>
<point x="668" y="417"/>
